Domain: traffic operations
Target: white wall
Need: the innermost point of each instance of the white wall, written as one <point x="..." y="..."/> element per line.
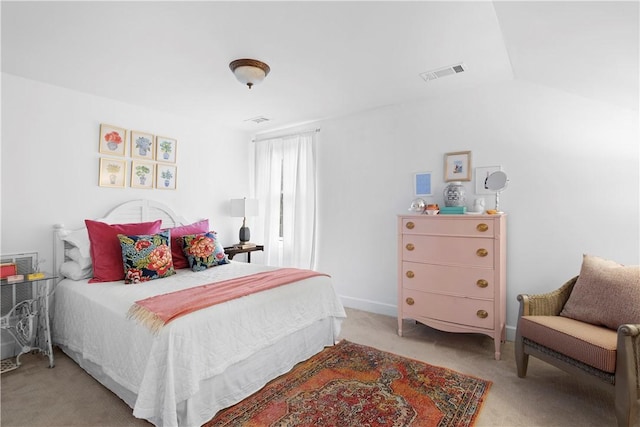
<point x="50" y="167"/>
<point x="572" y="165"/>
<point x="50" y="164"/>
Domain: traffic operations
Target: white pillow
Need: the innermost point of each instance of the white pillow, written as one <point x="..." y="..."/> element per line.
<point x="75" y="255"/>
<point x="79" y="239"/>
<point x="72" y="270"/>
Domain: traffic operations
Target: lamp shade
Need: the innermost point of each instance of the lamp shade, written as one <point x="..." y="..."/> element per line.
<point x="244" y="207"/>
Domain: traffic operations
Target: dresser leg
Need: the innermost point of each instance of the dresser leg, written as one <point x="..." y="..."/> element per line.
<point x="497" y="344"/>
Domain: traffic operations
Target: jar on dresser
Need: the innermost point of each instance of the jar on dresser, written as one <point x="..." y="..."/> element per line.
<point x="452" y="272"/>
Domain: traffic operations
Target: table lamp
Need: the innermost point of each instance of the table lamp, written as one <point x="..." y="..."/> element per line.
<point x="244" y="208"/>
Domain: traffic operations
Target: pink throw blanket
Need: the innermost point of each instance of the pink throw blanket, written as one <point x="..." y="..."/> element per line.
<point x="157" y="311"/>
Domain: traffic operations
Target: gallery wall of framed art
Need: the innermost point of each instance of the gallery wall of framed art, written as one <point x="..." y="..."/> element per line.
<point x="142" y="159"/>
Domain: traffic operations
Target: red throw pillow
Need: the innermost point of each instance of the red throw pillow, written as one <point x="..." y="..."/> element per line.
<point x="106" y="253"/>
<point x="179" y="260"/>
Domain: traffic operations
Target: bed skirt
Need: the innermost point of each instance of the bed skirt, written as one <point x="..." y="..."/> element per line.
<point x="223" y="390"/>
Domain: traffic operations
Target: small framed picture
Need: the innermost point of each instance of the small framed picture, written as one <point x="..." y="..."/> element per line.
<point x="166" y="176"/>
<point x="113" y="140"/>
<point x="112" y="172"/>
<point x="141" y="145"/>
<point x="166" y="149"/>
<point x="422" y="184"/>
<point x="142" y="174"/>
<point x="481" y="175"/>
<point x="457" y="166"/>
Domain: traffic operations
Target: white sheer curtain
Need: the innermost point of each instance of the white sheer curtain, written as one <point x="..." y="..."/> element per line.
<point x="285" y="172"/>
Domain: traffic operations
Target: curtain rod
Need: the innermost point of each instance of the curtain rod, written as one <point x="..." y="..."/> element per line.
<point x="285" y="135"/>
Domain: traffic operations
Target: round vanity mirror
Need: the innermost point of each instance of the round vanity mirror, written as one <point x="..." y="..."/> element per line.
<point x="496" y="181"/>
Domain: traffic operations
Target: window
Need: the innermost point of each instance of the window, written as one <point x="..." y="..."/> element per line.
<point x="285" y="184"/>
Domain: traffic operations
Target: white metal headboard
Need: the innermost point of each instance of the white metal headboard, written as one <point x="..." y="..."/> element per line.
<point x="143" y="211"/>
<point x="129" y="212"/>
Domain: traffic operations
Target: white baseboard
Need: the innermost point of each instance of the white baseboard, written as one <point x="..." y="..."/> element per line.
<point x="370" y="306"/>
<point x="392" y="310"/>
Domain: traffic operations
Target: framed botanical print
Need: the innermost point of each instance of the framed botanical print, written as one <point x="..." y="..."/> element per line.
<point x="166" y="176"/>
<point x="142" y="174"/>
<point x="112" y="173"/>
<point x="113" y="140"/>
<point x="166" y="149"/>
<point x="142" y="145"/>
<point x="457" y="166"/>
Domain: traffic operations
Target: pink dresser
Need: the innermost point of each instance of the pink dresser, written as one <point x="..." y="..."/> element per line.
<point x="452" y="273"/>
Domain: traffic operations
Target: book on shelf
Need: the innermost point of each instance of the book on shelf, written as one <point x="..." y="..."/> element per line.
<point x="8" y="269"/>
<point x="16" y="278"/>
<point x="245" y="245"/>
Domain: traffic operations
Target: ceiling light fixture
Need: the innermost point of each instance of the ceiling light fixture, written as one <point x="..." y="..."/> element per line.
<point x="249" y="71"/>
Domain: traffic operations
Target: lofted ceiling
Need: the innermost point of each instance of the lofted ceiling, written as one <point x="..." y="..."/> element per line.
<point x="327" y="58"/>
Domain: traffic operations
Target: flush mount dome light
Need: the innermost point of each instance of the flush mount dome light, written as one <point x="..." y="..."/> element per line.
<point x="249" y="71"/>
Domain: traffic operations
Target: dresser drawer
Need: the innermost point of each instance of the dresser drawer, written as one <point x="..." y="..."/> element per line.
<point x="449" y="225"/>
<point x="472" y="282"/>
<point x="467" y="251"/>
<point x="463" y="311"/>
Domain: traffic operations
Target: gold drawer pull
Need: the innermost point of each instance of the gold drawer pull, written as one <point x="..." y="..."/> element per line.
<point x="482" y="227"/>
<point x="410" y="274"/>
<point x="410" y="246"/>
<point x="482" y="283"/>
<point x="482" y="314"/>
<point x="410" y="225"/>
<point x="482" y="252"/>
<point x="410" y="301"/>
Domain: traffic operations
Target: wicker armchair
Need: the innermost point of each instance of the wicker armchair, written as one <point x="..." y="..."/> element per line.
<point x="608" y="357"/>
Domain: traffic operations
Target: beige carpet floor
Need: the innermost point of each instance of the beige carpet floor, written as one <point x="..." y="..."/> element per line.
<point x="35" y="395"/>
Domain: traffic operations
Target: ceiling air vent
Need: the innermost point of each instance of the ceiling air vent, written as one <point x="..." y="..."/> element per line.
<point x="443" y="72"/>
<point x="258" y="119"/>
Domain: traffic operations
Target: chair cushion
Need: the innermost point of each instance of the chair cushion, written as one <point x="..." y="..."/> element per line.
<point x="590" y="344"/>
<point x="606" y="293"/>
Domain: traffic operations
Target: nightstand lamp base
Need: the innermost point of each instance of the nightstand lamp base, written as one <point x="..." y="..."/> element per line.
<point x="245" y="234"/>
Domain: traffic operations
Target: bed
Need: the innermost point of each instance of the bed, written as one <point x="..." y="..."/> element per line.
<point x="199" y="363"/>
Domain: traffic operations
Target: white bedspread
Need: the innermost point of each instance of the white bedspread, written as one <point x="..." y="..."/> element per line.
<point x="166" y="369"/>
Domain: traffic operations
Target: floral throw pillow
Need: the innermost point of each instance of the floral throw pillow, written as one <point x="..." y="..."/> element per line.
<point x="146" y="257"/>
<point x="179" y="260"/>
<point x="203" y="251"/>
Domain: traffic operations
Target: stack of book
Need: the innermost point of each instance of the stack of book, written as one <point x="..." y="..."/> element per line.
<point x="453" y="210"/>
<point x="244" y="245"/>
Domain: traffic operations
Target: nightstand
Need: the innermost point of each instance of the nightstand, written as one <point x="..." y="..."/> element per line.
<point x="28" y="321"/>
<point x="232" y="251"/>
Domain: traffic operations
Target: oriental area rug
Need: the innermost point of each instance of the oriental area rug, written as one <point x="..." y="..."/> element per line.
<point x="351" y="385"/>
